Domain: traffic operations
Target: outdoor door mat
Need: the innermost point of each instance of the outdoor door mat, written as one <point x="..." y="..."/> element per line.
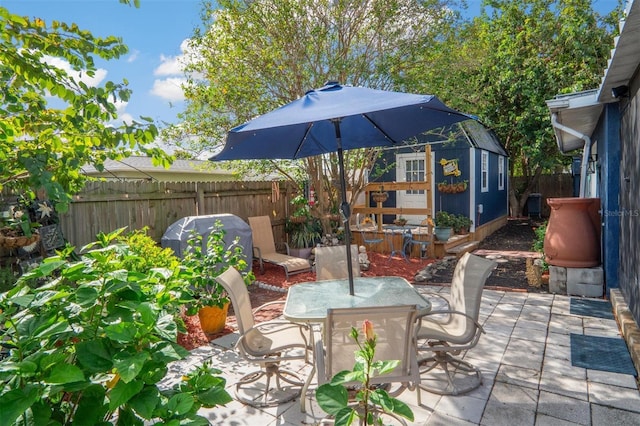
<point x="601" y="353"/>
<point x="591" y="308"/>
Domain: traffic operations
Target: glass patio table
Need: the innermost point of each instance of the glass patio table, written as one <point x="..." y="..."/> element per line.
<point x="308" y="302"/>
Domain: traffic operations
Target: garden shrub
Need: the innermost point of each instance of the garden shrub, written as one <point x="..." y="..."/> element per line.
<point x="91" y="344"/>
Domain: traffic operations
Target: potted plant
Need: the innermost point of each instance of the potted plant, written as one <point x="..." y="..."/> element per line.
<point x="462" y="224"/>
<point x="445" y="223"/>
<point x="303" y="229"/>
<point x="17" y="228"/>
<point x="202" y="266"/>
<point x="303" y="236"/>
<point x="400" y="221"/>
<point x="380" y="196"/>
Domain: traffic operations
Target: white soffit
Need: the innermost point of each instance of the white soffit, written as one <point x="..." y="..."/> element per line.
<point x="578" y="111"/>
<point x="625" y="55"/>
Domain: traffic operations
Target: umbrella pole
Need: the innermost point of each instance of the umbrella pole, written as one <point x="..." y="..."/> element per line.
<point x="345" y="210"/>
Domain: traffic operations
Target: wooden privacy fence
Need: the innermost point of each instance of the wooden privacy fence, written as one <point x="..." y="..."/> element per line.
<point x="106" y="206"/>
<point x="549" y="186"/>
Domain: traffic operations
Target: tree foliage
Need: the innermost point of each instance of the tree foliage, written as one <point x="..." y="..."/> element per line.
<point x="508" y="61"/>
<point x="51" y="121"/>
<point x="254" y="56"/>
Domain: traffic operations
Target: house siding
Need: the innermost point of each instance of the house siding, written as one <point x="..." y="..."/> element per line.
<point x="453" y="203"/>
<point x="628" y="214"/>
<point x="494" y="202"/>
<point x="607" y="137"/>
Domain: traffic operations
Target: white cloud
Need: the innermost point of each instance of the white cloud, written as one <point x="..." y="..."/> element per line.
<point x="123" y="116"/>
<point x="99" y="75"/>
<point x="171" y="67"/>
<point x="169" y="88"/>
<point x="133" y="56"/>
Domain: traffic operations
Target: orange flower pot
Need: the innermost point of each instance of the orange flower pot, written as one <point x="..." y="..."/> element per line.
<point x="213" y="319"/>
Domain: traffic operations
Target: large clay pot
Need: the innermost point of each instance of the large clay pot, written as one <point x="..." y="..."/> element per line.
<point x="571" y="239"/>
<point x="213" y="319"/>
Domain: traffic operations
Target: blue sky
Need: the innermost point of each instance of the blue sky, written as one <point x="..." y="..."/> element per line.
<point x="155" y="34"/>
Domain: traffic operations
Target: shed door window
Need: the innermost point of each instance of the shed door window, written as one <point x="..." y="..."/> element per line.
<point x="485" y="172"/>
<point x="414" y="172"/>
<point x="501" y="173"/>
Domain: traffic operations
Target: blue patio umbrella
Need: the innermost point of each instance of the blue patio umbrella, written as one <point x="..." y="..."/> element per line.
<point x="335" y="118"/>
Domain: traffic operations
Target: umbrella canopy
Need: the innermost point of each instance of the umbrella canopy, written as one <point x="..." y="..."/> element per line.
<point x="332" y="119"/>
<point x="368" y="118"/>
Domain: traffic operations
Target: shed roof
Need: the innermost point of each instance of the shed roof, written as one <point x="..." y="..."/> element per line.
<point x="482" y="137"/>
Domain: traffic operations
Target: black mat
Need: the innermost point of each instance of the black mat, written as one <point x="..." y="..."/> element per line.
<point x="591" y="308"/>
<point x="601" y="353"/>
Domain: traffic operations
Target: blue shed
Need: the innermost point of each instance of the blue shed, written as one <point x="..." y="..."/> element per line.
<point x="466" y="167"/>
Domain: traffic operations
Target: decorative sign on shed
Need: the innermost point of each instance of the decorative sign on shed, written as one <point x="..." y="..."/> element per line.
<point x="450" y="167"/>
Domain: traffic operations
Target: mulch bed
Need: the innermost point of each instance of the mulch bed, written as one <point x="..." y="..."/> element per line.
<point x="512" y="241"/>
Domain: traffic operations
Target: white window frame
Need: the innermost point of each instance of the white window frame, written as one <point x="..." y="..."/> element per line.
<point x="484" y="171"/>
<point x="415" y="175"/>
<point x="501" y="173"/>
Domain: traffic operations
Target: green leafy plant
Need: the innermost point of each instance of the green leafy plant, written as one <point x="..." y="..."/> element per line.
<point x="303" y="229"/>
<point x="538" y="242"/>
<point x="370" y="402"/>
<point x="8" y="278"/>
<point x="146" y="254"/>
<point x="445" y="220"/>
<point x="92" y="343"/>
<point x="462" y="222"/>
<point x="18" y="224"/>
<point x="203" y="265"/>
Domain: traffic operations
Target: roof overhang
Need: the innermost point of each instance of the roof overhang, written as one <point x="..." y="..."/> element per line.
<point x="624" y="55"/>
<point x="577" y="111"/>
<point x="581" y="111"/>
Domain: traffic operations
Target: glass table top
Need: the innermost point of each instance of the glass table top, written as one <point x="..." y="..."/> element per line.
<point x="310" y="301"/>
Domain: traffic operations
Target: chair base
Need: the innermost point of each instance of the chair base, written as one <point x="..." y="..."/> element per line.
<point x="255" y="392"/>
<point x="444" y="374"/>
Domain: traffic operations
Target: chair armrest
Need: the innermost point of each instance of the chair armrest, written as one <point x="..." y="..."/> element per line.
<point x="267" y="327"/>
<point x="264" y="305"/>
<point x="447" y="312"/>
<point x="437" y="295"/>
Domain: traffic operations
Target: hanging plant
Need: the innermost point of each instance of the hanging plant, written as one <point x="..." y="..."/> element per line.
<point x="380" y="196"/>
<point x="452" y="187"/>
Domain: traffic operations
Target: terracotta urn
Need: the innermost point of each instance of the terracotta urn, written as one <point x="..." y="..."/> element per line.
<point x="571" y="239"/>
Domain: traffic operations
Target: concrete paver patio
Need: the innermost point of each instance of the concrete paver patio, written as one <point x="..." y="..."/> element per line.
<point x="525" y="358"/>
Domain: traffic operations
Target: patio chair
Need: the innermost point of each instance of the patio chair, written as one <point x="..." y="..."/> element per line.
<point x="371" y="236"/>
<point x="443" y="334"/>
<point x="394" y="327"/>
<point x="331" y="262"/>
<point x="267" y="344"/>
<point x="422" y="236"/>
<point x="264" y="248"/>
